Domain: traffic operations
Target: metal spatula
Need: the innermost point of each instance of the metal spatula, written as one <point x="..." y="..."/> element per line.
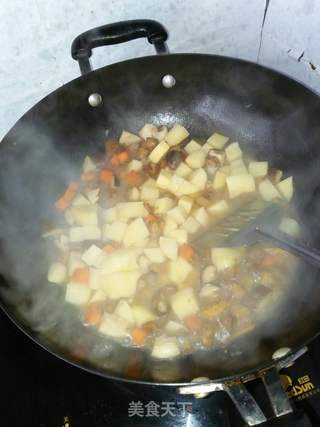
<point x="252" y="223"/>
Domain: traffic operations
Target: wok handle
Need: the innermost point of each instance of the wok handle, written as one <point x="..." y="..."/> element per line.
<point x="117" y="32"/>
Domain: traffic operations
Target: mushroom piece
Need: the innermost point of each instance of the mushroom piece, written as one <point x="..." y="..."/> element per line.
<point x="174" y="157"/>
<point x="208" y="274"/>
<point x="209" y="291"/>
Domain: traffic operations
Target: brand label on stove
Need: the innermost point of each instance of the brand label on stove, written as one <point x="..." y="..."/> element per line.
<point x="301" y="388"/>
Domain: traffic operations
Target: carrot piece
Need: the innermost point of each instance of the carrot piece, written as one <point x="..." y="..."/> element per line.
<point x="138" y="336"/>
<point x="193" y="322"/>
<point x="81" y="275"/>
<point x="93" y="314"/>
<point x="186" y="251"/>
<point x="134" y="178"/>
<point x="64" y="202"/>
<point x="151" y="218"/>
<point x="135" y="370"/>
<point x="115" y="160"/>
<point x="88" y="176"/>
<point x="123" y="157"/>
<point x="108" y="248"/>
<point x="106" y="176"/>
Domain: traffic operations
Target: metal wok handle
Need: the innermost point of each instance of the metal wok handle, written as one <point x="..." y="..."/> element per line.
<point x="118" y="32"/>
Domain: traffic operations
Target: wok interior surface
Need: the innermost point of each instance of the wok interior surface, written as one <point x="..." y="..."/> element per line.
<point x="272" y="117"/>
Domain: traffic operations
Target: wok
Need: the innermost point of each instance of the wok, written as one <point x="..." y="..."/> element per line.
<point x="270" y="114"/>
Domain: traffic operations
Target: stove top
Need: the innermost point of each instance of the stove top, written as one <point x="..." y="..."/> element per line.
<point x="39" y="390"/>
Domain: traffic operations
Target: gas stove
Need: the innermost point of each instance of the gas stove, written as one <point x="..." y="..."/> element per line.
<point x="39" y="390"/>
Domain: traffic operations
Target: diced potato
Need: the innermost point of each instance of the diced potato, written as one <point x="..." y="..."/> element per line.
<point x="173" y="327"/>
<point x="80" y="200"/>
<point x="179" y="270"/>
<point x="206" y="147"/>
<point x="219" y="209"/>
<point x="185" y="203"/>
<point x="289" y="226"/>
<point x="181" y="236"/>
<point x="85" y="215"/>
<point x="57" y="273"/>
<point x="175" y="183"/>
<point x="169" y="225"/>
<point x="161" y="133"/>
<point x="219" y="180"/>
<point x="184" y="303"/>
<point x="199" y="178"/>
<point x="128" y="138"/>
<point x="88" y="232"/>
<point x="98" y="296"/>
<point x="142" y="314"/>
<point x="110" y="215"/>
<point x="131" y="210"/>
<point x="93" y="256"/>
<point x="176" y="135"/>
<point x="62" y="242"/>
<point x="114" y="231"/>
<point x="123" y="310"/>
<point x="113" y="326"/>
<point x="118" y="285"/>
<point x="223" y="258"/>
<point x="68" y="216"/>
<point x="163" y="180"/>
<point x="162" y="205"/>
<point x="95" y="279"/>
<point x="148" y="131"/>
<point x="201" y="216"/>
<point x="93" y="195"/>
<point x="178" y="214"/>
<point x="258" y="169"/>
<point x="240" y="184"/>
<point x="268" y="191"/>
<point x="88" y="165"/>
<point x="136" y="233"/>
<point x="134" y="194"/>
<point x="183" y="170"/>
<point x="149" y="193"/>
<point x="135" y="165"/>
<point x="233" y="152"/>
<point x="179" y="186"/>
<point x="74" y="262"/>
<point x="191" y="225"/>
<point x="77" y="294"/>
<point x="158" y="152"/>
<point x="218" y="141"/>
<point x="165" y="348"/>
<point x="155" y="255"/>
<point x="286" y="188"/>
<point x="169" y="247"/>
<point x="192" y="146"/>
<point x="120" y="260"/>
<point x="238" y="167"/>
<point x="196" y="159"/>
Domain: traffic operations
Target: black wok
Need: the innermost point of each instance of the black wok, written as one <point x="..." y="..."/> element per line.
<point x="271" y="115"/>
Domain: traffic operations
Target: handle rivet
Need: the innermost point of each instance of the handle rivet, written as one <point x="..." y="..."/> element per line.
<point x="95" y="99"/>
<point x="168" y="81"/>
<point x="281" y="352"/>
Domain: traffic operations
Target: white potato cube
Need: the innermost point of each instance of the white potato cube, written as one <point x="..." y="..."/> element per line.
<point x="191" y="225"/>
<point x="162" y="205"/>
<point x="158" y="152"/>
<point x="173" y="327"/>
<point x="74" y="262"/>
<point x="80" y="200"/>
<point x="258" y="169"/>
<point x="233" y="152"/>
<point x="93" y="195"/>
<point x="77" y="294"/>
<point x="142" y="314"/>
<point x="131" y="210"/>
<point x="163" y="180"/>
<point x="184" y="188"/>
<point x="95" y="280"/>
<point x="114" y="231"/>
<point x="98" y="296"/>
<point x="176" y="135"/>
<point x="286" y="188"/>
<point x="217" y="141"/>
<point x="238" y="167"/>
<point x="169" y="225"/>
<point x="196" y="159"/>
<point x="289" y="226"/>
<point x="128" y="138"/>
<point x="68" y="216"/>
<point x="148" y="131"/>
<point x="178" y="214"/>
<point x="120" y="260"/>
<point x="169" y="247"/>
<point x="88" y="232"/>
<point x="185" y="203"/>
<point x="134" y="194"/>
<point x="180" y="235"/>
<point x="223" y="258"/>
<point x="136" y="233"/>
<point x="57" y="273"/>
<point x="199" y="178"/>
<point x="123" y="310"/>
<point x="155" y="255"/>
<point x="219" y="209"/>
<point x="114" y="326"/>
<point x="183" y="170"/>
<point x="93" y="256"/>
<point x="179" y="270"/>
<point x="192" y="146"/>
<point x="268" y="191"/>
<point x="110" y="215"/>
<point x="88" y="165"/>
<point x="118" y="285"/>
<point x="201" y="216"/>
<point x="184" y="303"/>
<point x="219" y="181"/>
<point x="149" y="193"/>
<point x="240" y="184"/>
<point x="135" y="165"/>
<point x="165" y="348"/>
<point x="85" y="215"/>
